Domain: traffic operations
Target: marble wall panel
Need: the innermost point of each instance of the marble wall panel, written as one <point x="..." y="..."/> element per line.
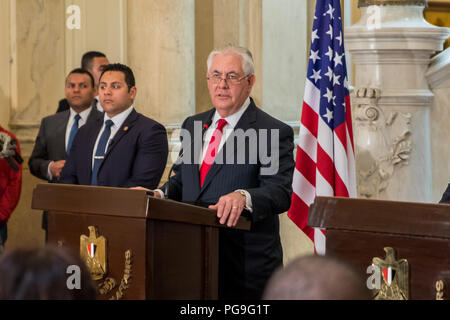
<point x="284" y="57"/>
<point x="5" y="60"/>
<point x="161" y="53"/>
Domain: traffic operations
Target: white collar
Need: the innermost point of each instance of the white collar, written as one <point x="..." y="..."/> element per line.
<point x="119" y="118"/>
<point x="83" y="114"/>
<point x="233" y="119"/>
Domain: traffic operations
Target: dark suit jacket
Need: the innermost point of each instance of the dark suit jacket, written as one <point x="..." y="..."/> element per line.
<point x="246" y="258"/>
<point x="446" y="195"/>
<point x="50" y="143"/>
<point x="137" y="155"/>
<point x="63" y="105"/>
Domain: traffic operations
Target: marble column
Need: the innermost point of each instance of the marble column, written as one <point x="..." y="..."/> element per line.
<point x="221" y="22"/>
<point x="34" y="71"/>
<point x="284" y="53"/>
<point x="391" y="46"/>
<point x="438" y="76"/>
<point x="37" y="65"/>
<point x="161" y="52"/>
<point x="103" y="27"/>
<point x="204" y="43"/>
<point x="5" y="60"/>
<point x="276" y="32"/>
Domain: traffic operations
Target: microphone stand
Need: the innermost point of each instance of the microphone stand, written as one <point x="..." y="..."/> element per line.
<point x="8" y="151"/>
<point x="180" y="156"/>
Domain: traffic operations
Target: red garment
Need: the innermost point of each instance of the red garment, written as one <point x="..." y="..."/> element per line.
<point x="10" y="185"/>
<point x="213" y="147"/>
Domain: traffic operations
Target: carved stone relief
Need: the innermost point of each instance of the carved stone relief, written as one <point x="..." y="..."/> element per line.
<point x="383" y="142"/>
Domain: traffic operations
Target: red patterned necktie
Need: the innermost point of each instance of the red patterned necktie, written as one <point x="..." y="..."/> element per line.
<point x="213" y="147"/>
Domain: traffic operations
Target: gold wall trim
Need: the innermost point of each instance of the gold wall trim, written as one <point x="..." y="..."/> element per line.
<point x="366" y="3"/>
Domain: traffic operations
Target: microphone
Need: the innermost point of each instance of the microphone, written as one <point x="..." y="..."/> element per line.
<point x="8" y="150"/>
<point x="205" y="127"/>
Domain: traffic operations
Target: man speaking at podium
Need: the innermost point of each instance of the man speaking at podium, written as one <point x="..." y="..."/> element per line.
<point x="122" y="149"/>
<point x="246" y="258"/>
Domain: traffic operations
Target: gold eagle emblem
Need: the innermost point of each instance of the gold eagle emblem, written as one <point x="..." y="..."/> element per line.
<point x="394" y="277"/>
<point x="93" y="253"/>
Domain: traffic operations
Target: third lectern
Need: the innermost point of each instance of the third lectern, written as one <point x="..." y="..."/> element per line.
<point x="403" y="247"/>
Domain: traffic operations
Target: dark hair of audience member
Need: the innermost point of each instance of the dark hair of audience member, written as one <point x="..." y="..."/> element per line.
<point x="88" y="58"/>
<point x="41" y="274"/>
<point x="128" y="73"/>
<point x="316" y="278"/>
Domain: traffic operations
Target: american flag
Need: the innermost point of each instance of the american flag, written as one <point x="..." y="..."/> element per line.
<point x="325" y="163"/>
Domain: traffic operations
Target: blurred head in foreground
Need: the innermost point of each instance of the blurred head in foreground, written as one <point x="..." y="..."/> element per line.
<point x="44" y="274"/>
<point x="316" y="278"/>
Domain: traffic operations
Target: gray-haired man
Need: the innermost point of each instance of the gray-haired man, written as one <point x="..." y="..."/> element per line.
<point x="246" y="258"/>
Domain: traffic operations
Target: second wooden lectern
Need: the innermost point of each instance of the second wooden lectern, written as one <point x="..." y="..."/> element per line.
<point x="136" y="246"/>
<point x="407" y="243"/>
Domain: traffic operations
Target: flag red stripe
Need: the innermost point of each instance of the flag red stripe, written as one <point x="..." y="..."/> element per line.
<point x="306" y="166"/>
<point x="325" y="162"/>
<point x="341" y="134"/>
<point x="310" y="119"/>
<point x="298" y="213"/>
<point x="325" y="165"/>
<point x="340" y="189"/>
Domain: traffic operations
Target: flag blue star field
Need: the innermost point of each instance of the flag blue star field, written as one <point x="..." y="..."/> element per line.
<point x="325" y="162"/>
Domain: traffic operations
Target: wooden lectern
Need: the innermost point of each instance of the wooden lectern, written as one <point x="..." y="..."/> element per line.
<point x="358" y="230"/>
<point x="136" y="246"/>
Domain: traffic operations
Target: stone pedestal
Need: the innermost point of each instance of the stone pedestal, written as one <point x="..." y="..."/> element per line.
<point x="438" y="76"/>
<point x="391" y="47"/>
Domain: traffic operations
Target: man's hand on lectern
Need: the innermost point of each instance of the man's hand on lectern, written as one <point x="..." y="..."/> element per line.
<point x="153" y="193"/>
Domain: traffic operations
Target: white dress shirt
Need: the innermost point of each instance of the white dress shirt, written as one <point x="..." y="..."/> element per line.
<point x="118" y="120"/>
<point x="232" y="121"/>
<point x="84" y="116"/>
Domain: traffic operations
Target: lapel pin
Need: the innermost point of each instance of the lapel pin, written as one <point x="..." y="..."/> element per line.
<point x="125" y="129"/>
